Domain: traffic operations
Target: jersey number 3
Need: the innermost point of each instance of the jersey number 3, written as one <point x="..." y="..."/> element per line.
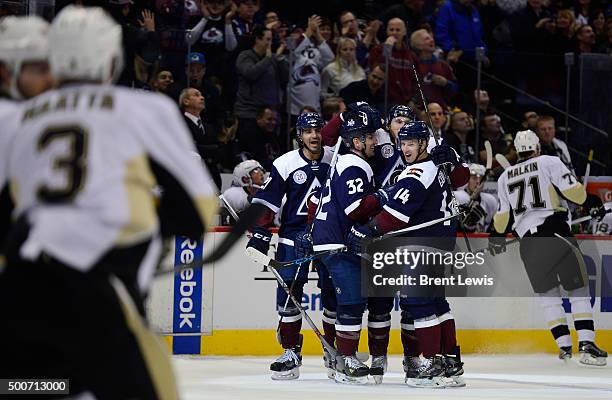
<point x="355" y="185"/>
<point x="72" y="163"/>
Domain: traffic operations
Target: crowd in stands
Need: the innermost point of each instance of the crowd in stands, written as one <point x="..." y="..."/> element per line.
<point x="243" y="70"/>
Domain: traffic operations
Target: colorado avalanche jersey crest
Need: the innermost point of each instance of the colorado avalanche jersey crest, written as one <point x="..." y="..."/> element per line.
<point x="292" y="179"/>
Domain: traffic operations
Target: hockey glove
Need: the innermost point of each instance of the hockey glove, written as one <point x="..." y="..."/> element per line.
<point x="260" y="240"/>
<point x="473" y="213"/>
<point x="497" y="244"/>
<point x="444" y="154"/>
<point x="303" y="244"/>
<point x="383" y="195"/>
<point x="359" y="238"/>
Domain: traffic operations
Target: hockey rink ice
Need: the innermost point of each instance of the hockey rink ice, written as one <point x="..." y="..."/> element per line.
<point x="540" y="376"/>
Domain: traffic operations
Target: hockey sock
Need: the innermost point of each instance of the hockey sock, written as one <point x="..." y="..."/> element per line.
<point x="410" y="341"/>
<point x="329" y="327"/>
<point x="378" y="333"/>
<point x="449" y="334"/>
<point x="583" y="318"/>
<point x="347" y="341"/>
<point x="290" y="331"/>
<point x="555" y="317"/>
<point x="429" y="334"/>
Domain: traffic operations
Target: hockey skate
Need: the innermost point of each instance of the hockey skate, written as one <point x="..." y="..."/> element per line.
<point x="590" y="354"/>
<point x="378" y="368"/>
<point x="453" y="372"/>
<point x="425" y="372"/>
<point x="287" y="366"/>
<point x="329" y="364"/>
<point x="351" y="371"/>
<point x="565" y="353"/>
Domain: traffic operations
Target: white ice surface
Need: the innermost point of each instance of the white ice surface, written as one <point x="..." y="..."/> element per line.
<point x="540" y="376"/>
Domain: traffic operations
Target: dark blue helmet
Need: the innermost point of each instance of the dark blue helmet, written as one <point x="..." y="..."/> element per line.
<point x="308" y="120"/>
<point x="373" y="115"/>
<point x="413" y="130"/>
<point x="356" y="125"/>
<point x="399" y="111"/>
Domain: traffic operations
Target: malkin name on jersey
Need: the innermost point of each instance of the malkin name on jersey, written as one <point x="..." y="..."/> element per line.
<point x="522" y="169"/>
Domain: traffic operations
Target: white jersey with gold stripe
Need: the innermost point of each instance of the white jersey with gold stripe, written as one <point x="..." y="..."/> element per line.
<point x="82" y="165"/>
<point x="533" y="190"/>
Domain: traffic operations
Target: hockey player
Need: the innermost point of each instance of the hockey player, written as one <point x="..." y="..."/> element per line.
<point x="535" y="192"/>
<point x="84" y="159"/>
<point x="421" y="194"/>
<point x="479" y="206"/>
<point x="349" y="197"/>
<point x="248" y="178"/>
<point x="603" y="226"/>
<point x="295" y="175"/>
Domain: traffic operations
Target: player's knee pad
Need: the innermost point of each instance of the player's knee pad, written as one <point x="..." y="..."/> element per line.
<point x="281" y="299"/>
<point x="581" y="307"/>
<point x="379" y="320"/>
<point x="551" y="298"/>
<point x="329" y="316"/>
<point x="419" y="310"/>
<point x="426" y="321"/>
<point x="328" y="299"/>
<point x="349" y="314"/>
<point x="406" y="320"/>
<point x="380" y="305"/>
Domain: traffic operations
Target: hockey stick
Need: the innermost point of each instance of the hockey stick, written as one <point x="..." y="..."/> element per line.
<point x="438" y="140"/>
<point x="502" y="160"/>
<point x="229" y="208"/>
<point x="587" y="217"/>
<point x="249" y="217"/>
<point x="585" y="180"/>
<point x="578" y="256"/>
<point x="264" y="259"/>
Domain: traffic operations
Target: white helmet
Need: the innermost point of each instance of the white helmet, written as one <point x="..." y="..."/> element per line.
<point x="85" y="45"/>
<point x="242" y="173"/>
<point x="477" y="169"/>
<point x="22" y="39"/>
<point x="526" y="141"/>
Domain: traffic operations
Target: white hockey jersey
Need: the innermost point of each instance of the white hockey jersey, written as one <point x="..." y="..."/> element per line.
<point x="530" y="189"/>
<point x="488" y="202"/>
<point x="82" y="165"/>
<point x="603" y="227"/>
<point x="237" y="198"/>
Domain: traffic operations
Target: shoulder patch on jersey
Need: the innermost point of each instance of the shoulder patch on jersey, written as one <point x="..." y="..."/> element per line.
<point x="426" y="173"/>
<point x="387" y="150"/>
<point x="418" y="172"/>
<point x="299" y="177"/>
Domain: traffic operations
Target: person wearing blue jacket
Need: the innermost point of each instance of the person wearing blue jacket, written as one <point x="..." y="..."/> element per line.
<point x="459" y="27"/>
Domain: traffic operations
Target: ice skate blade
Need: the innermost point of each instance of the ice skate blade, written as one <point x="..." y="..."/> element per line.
<point x="342" y="378"/>
<point x="587" y="359"/>
<point x="286" y="375"/>
<point x="437" y="382"/>
<point x="331" y="373"/>
<point x="453" y="382"/>
<point x="378" y="379"/>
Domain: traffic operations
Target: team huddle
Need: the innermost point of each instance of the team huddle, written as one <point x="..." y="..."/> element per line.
<point x="390" y="176"/>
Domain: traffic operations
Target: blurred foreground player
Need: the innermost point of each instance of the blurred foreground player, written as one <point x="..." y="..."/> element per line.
<point x="535" y="192"/>
<point x="87" y="238"/>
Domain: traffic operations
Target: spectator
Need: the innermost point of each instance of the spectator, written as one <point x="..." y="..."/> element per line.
<point x="549" y="144"/>
<point x="561" y="41"/>
<point x="262" y="141"/>
<point x="491" y="130"/>
<point x="530" y="121"/>
<point x="585" y="39"/>
<point x="327" y="32"/>
<point x="582" y="11"/>
<point x="343" y="70"/>
<point x="598" y="22"/>
<point x="350" y="28"/>
<point x="529" y="27"/>
<point x="244" y="23"/>
<point x="196" y="78"/>
<point x="437" y="77"/>
<point x="401" y="59"/>
<point x="141" y="44"/>
<point x="438" y="118"/>
<point x="331" y="107"/>
<point x="214" y="36"/>
<point x="311" y="55"/>
<point x="261" y="78"/>
<point x="461" y="136"/>
<point x="606" y="46"/>
<point x="192" y="103"/>
<point x="409" y="11"/>
<point x="162" y="81"/>
<point x="369" y="90"/>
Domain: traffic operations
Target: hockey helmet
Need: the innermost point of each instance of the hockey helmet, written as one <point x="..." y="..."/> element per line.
<point x="526" y="141"/>
<point x="22" y="39"/>
<point x="308" y="120"/>
<point x="242" y="173"/>
<point x="357" y="124"/>
<point x="399" y="111"/>
<point x="477" y="169"/>
<point x="413" y="130"/>
<point x="85" y="45"/>
<point x="373" y="115"/>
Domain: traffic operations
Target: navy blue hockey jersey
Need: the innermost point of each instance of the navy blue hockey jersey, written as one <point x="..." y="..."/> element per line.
<point x="352" y="180"/>
<point x="421" y="194"/>
<point x="292" y="179"/>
